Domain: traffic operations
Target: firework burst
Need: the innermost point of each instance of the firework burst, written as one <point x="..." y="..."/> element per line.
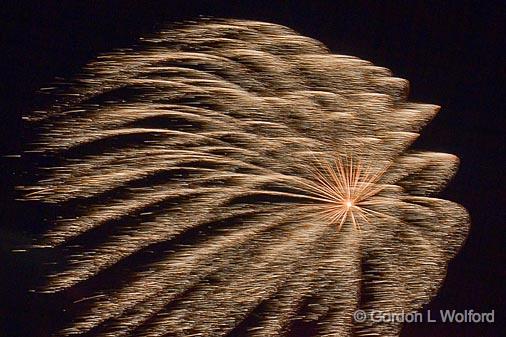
<point x="178" y="170"/>
<point x="347" y="189"/>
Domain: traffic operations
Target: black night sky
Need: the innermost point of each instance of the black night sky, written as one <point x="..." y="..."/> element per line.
<point x="451" y="55"/>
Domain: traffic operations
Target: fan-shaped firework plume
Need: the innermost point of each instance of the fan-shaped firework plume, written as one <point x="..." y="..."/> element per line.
<point x="235" y="178"/>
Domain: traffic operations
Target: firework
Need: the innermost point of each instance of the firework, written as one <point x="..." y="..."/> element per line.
<point x="346" y="189"/>
<point x="228" y="177"/>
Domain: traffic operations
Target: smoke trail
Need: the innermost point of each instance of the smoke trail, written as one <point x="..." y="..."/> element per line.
<point x="235" y="178"/>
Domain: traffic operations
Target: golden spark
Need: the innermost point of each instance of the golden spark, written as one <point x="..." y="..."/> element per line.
<point x="346" y="188"/>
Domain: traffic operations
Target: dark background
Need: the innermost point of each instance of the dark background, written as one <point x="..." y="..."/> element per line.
<point x="450" y="54"/>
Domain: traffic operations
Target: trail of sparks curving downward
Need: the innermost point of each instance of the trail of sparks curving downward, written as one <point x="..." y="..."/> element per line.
<point x="186" y="202"/>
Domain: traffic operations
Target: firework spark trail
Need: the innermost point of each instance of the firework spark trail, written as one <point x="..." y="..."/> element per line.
<point x="155" y="288"/>
<point x="336" y="287"/>
<point x="238" y="296"/>
<point x="132" y="238"/>
<point x="267" y="177"/>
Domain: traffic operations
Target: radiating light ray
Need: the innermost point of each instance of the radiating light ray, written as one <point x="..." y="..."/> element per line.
<point x="345" y="187"/>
